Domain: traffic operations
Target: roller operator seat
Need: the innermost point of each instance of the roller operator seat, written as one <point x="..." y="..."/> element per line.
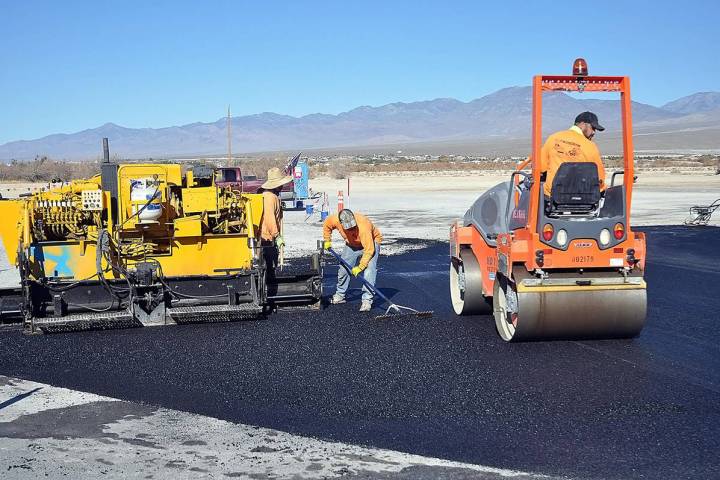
<point x="575" y="189"/>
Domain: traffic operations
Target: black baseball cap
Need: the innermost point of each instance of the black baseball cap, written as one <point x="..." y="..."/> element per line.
<point x="591" y="118"/>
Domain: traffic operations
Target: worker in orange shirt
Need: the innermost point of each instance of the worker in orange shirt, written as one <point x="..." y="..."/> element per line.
<point x="573" y="145"/>
<point x="362" y="247"/>
<point x="271" y="239"/>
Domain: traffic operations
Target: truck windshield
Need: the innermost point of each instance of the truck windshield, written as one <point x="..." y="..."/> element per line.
<point x="226" y="175"/>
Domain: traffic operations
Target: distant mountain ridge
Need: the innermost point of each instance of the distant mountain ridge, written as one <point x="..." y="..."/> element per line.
<point x="504" y="114"/>
<point x="696" y="103"/>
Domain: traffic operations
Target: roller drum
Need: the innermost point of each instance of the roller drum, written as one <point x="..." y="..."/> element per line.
<point x="569" y="314"/>
<point x="466" y="286"/>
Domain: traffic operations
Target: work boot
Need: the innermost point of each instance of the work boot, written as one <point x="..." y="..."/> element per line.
<point x="366" y="306"/>
<point x="337" y="299"/>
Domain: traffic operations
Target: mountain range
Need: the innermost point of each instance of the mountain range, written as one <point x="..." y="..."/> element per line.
<point x="503" y="117"/>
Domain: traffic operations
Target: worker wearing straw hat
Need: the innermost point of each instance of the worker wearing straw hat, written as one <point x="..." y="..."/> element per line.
<point x="271" y="221"/>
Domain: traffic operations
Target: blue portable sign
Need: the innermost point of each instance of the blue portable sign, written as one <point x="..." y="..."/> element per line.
<point x="301" y="174"/>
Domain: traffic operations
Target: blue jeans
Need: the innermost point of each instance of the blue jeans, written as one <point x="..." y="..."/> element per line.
<point x="352" y="257"/>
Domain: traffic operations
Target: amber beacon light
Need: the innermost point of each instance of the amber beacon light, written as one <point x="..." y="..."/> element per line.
<point x="580" y="68"/>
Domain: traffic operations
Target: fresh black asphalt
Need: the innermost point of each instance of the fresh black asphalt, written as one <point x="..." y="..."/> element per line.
<point x="444" y="386"/>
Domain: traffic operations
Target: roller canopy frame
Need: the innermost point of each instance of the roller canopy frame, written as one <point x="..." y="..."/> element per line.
<point x="570" y="83"/>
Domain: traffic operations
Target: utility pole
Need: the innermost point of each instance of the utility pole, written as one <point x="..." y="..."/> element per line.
<point x="229" y="138"/>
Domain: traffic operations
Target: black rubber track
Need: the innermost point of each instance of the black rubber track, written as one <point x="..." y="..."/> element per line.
<point x="446" y="386"/>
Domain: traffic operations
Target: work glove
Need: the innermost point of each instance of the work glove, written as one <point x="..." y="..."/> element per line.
<point x="327" y="244"/>
<point x="356" y="271"/>
<point x="279" y="241"/>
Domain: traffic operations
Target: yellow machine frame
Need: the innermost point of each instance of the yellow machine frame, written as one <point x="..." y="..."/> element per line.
<point x="93" y="249"/>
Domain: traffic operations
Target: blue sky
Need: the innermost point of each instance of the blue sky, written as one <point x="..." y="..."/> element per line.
<point x="72" y="65"/>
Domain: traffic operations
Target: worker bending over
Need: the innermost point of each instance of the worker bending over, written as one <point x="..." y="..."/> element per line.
<point x="573" y="145"/>
<point x="271" y="239"/>
<point x="362" y="247"/>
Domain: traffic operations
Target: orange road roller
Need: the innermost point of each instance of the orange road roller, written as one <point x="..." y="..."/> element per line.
<point x="557" y="266"/>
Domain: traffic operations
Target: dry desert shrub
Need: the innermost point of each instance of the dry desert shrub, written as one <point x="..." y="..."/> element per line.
<point x="44" y="169"/>
<point x="434" y="166"/>
<point x="248" y="166"/>
<point x="260" y="166"/>
<point x="340" y="169"/>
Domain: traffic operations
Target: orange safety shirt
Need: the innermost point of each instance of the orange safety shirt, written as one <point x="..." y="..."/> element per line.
<point x="271" y="216"/>
<point x="568" y="146"/>
<point x="365" y="236"/>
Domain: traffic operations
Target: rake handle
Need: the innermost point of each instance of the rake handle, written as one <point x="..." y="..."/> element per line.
<point x="365" y="282"/>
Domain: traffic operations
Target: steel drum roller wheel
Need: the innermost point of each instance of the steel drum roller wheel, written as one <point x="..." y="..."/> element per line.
<point x="505" y="307"/>
<point x="466" y="286"/>
<point x="570" y="314"/>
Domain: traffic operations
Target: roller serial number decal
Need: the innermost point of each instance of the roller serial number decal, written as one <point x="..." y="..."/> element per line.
<point x="583" y="259"/>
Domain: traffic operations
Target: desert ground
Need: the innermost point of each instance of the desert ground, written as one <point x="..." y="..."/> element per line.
<point x="335" y="395"/>
<point x="422" y="205"/>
